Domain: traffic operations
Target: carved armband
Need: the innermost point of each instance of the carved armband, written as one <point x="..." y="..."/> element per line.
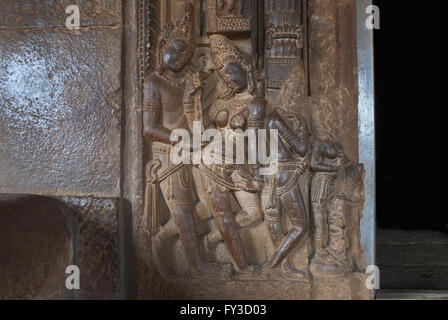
<point x="154" y="104"/>
<point x="255" y="124"/>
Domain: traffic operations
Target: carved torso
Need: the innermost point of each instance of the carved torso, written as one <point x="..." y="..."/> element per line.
<point x="170" y="95"/>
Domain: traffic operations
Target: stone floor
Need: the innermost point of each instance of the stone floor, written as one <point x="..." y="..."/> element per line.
<point x="411" y="295"/>
<point x="412" y="260"/>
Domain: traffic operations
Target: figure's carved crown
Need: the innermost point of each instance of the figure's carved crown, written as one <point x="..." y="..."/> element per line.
<point x="224" y="51"/>
<point x="182" y="27"/>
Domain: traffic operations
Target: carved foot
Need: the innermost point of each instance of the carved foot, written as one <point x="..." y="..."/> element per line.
<point x="356" y="260"/>
<point x="327" y="262"/>
<point x="252" y="272"/>
<point x="209" y="242"/>
<point x="156" y="244"/>
<point x="214" y="271"/>
<point x="206" y="247"/>
<point x="284" y="273"/>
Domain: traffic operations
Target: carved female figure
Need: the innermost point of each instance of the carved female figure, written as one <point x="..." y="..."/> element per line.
<point x="237" y="108"/>
<point x="342" y="251"/>
<point x="327" y="157"/>
<point x="163" y="112"/>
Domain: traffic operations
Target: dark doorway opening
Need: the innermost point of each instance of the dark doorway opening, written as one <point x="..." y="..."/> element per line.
<point x="412" y="200"/>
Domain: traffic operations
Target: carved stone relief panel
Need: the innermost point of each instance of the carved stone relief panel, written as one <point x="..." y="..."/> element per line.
<point x="289" y="231"/>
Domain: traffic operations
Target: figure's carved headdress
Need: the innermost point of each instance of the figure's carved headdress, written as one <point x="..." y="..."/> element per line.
<point x="182" y="28"/>
<point x="224" y="51"/>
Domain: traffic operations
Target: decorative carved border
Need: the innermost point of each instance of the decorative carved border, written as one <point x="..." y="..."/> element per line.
<point x="148" y="30"/>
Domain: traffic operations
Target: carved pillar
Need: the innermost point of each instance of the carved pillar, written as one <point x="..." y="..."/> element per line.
<point x="285" y="40"/>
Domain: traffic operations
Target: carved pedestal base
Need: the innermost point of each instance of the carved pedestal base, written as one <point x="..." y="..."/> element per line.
<point x="199" y="289"/>
<point x="346" y="287"/>
<point x="350" y="286"/>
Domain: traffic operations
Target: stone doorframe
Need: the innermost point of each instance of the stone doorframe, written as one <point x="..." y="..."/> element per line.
<point x="366" y="124"/>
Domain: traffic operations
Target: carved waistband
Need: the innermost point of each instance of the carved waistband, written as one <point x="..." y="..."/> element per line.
<point x="161" y="148"/>
<point x="222" y="181"/>
<point x="299" y="166"/>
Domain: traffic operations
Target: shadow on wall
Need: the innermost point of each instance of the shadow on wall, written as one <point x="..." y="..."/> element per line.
<point x="40" y="237"/>
<point x="35" y="241"/>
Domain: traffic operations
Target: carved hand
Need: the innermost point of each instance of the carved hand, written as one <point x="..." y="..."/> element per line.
<point x="245" y="184"/>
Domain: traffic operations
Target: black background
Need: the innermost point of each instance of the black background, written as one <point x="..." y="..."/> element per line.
<point x="411" y="122"/>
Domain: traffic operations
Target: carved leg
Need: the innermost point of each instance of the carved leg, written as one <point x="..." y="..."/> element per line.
<point x="229" y="232"/>
<point x="293" y="204"/>
<point x="251" y="214"/>
<point x="331" y="260"/>
<point x="166" y="232"/>
<point x="356" y="257"/>
<point x="202" y="211"/>
<point x="219" y="202"/>
<point x="280" y="267"/>
<point x="320" y="190"/>
<point x="319" y="223"/>
<point x="177" y="193"/>
<point x="274" y="226"/>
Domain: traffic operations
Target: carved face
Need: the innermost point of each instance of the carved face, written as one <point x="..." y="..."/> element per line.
<point x="235" y="76"/>
<point x="176" y="55"/>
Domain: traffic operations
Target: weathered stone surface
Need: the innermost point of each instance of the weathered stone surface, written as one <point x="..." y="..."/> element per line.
<point x="359" y="288"/>
<point x="331" y="288"/>
<point x="60" y="112"/>
<point x="197" y="289"/>
<point x="96" y="244"/>
<point x="49" y="13"/>
<point x="35" y="241"/>
<point x="333" y="69"/>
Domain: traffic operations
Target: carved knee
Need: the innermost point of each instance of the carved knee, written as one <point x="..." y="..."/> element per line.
<point x="255" y="213"/>
<point x="299" y="225"/>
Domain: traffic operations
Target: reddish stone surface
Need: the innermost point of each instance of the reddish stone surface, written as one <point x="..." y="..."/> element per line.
<point x="96" y="245"/>
<point x="60" y="112"/>
<point x="32" y="13"/>
<point x="34" y="248"/>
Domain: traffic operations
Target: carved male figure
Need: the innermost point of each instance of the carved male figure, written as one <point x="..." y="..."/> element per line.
<point x="164" y="94"/>
<point x="283" y="187"/>
<point x="327" y="158"/>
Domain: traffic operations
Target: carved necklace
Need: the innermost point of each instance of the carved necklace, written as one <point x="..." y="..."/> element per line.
<point x="239" y="102"/>
<point x="172" y="83"/>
